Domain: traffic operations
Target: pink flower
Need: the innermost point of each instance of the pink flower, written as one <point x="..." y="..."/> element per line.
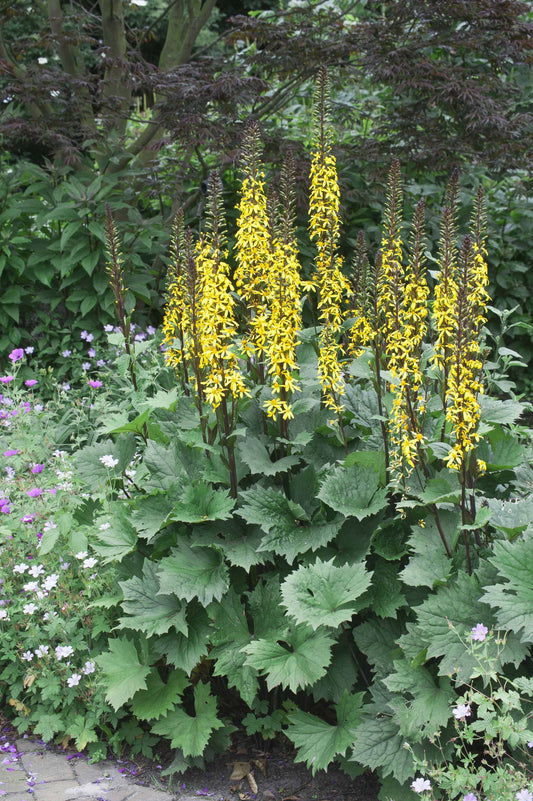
<point x="34" y="493"/>
<point x="16" y="355"/>
<point x="31" y="382"/>
<point x="37" y="468"/>
<point x="6" y="379"/>
<point x="11" y="452"/>
<point x="479" y="632"/>
<point x="95" y="384"/>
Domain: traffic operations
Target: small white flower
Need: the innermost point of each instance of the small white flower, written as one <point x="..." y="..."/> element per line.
<point x="31" y="586"/>
<point x="36" y="571"/>
<point x="461" y="711"/>
<point x="63" y="650"/>
<point x="420" y="785"/>
<point x="73" y="680"/>
<point x="524" y="795"/>
<point x="105" y="526"/>
<point x="42" y="650"/>
<point x="91" y="562"/>
<point x="20" y="568"/>
<point x="27" y="656"/>
<point x="89" y="667"/>
<point x="50" y="582"/>
<point x="29" y="609"/>
<point x="3" y="615"/>
<point x="42" y="60"/>
<point x="49" y="525"/>
<point x="81" y="555"/>
<point x="108" y="460"/>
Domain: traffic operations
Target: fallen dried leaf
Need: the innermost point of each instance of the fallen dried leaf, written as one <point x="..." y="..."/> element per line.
<point x="252" y="782"/>
<point x="240" y="770"/>
<point x="262" y="765"/>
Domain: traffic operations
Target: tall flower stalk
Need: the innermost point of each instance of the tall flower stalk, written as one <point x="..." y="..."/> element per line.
<point x="285" y="320"/>
<point x="331" y="285"/>
<point x="253" y="248"/>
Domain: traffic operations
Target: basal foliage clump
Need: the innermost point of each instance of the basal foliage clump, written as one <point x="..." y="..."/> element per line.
<point x="326" y="503"/>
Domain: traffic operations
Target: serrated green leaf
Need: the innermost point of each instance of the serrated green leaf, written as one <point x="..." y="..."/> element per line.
<point x="353" y="491"/>
<point x="191" y="734"/>
<point x="159" y="698"/>
<point x="428" y="704"/>
<point x="384" y="596"/>
<point x="150" y="514"/>
<point x="378" y="642"/>
<point x="318" y="742"/>
<point x="341" y="674"/>
<point x="194" y="573"/>
<point x="297" y="658"/>
<point x="265" y="607"/>
<point x="494" y="410"/>
<point x="91" y="469"/>
<point x="123" y="672"/>
<point x="149" y="610"/>
<point x="82" y="732"/>
<point x="511" y="517"/>
<point x="230" y="633"/>
<point x="48" y="725"/>
<point x="255" y="455"/>
<point x="201" y="502"/>
<point x="239" y="542"/>
<point x="514" y="599"/>
<point x="323" y="594"/>
<point x="184" y="652"/>
<point x="429" y="563"/>
<point x="378" y="743"/>
<point x="441" y="490"/>
<point x="288" y="531"/>
<point x="119" y="539"/>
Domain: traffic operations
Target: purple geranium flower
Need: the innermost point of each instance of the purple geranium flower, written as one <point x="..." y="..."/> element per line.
<point x="479" y="632"/>
<point x="16" y="355"/>
<point x="31" y="382"/>
<point x="6" y="379"/>
<point x="11" y="452"/>
<point x="34" y="492"/>
<point x="94" y="383"/>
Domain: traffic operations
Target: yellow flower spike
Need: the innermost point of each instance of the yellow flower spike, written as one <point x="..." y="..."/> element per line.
<point x="331" y="285"/>
<point x="253" y="245"/>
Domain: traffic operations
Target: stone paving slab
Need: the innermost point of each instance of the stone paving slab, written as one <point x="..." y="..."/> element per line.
<point x="33" y="773"/>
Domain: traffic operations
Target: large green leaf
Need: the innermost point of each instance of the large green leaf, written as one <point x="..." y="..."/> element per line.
<point x="291" y="537"/>
<point x="115" y="542"/>
<point x="378" y="642"/>
<point x="511" y="517"/>
<point x="265" y="606"/>
<point x="201" y="502"/>
<point x="184" y="652"/>
<point x="150" y="514"/>
<point x="319" y="742"/>
<point x="159" y="698"/>
<point x="194" y="573"/>
<point x="230" y="634"/>
<point x="428" y="564"/>
<point x="239" y="542"/>
<point x="256" y="456"/>
<point x="353" y="491"/>
<point x="385" y="594"/>
<point x="297" y="658"/>
<point x="191" y="733"/>
<point x="341" y="674"/>
<point x="423" y="706"/>
<point x="513" y="600"/>
<point x="378" y="743"/>
<point x="149" y="610"/>
<point x="89" y="466"/>
<point x="323" y="594"/>
<point x="123" y="672"/>
<point x="268" y="508"/>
